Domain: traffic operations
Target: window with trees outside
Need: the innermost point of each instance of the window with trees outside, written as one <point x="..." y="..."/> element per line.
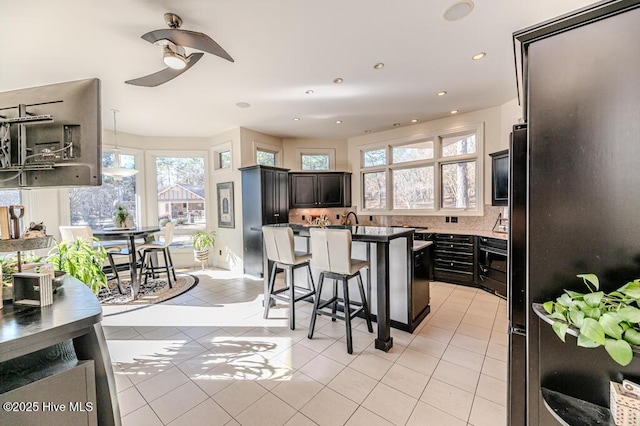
<point x="428" y="175"/>
<point x="95" y="206"/>
<point x="315" y="161"/>
<point x="181" y="195"/>
<point x="266" y="158"/>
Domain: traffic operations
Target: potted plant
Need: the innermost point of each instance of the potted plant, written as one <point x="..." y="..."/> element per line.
<point x="598" y="319"/>
<point x="81" y="260"/>
<point x="202" y="241"/>
<point x="122" y="217"/>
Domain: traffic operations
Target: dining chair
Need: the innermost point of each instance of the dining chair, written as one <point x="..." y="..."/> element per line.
<point x="279" y="246"/>
<point x="331" y="249"/>
<point x="151" y="248"/>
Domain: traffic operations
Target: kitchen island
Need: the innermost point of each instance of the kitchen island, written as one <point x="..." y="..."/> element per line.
<point x="389" y="251"/>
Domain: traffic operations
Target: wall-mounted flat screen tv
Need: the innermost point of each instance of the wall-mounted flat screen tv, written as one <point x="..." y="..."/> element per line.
<point x="51" y="135"/>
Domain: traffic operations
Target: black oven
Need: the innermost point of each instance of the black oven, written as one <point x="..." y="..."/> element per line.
<point x="492" y="265"/>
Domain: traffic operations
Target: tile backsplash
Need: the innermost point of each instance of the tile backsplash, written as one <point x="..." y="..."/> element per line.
<point x="480" y="223"/>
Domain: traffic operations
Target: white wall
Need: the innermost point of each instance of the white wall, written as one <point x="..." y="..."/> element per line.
<point x="293" y="145"/>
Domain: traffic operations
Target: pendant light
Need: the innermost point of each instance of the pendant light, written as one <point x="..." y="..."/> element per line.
<point x="116" y="171"/>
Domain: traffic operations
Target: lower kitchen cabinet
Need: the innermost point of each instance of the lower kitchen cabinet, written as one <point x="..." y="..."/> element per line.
<point x="455" y="259"/>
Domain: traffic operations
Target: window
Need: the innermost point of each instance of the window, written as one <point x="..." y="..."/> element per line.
<point x="315" y="162"/>
<point x="95" y="206"/>
<point x="224" y="160"/>
<point x="266" y="158"/>
<point x="413" y="188"/>
<point x="181" y="194"/>
<point x="10" y="197"/>
<point x="426" y="174"/>
<point x="375" y="193"/>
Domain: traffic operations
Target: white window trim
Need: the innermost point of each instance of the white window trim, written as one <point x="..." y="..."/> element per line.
<point x="331" y="152"/>
<point x="477" y="128"/>
<point x="267" y="148"/>
<point x="219" y="149"/>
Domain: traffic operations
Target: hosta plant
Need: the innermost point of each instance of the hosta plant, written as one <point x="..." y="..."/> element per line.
<point x="611" y="319"/>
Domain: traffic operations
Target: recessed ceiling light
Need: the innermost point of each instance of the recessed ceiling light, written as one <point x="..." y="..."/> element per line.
<point x="309" y="92"/>
<point x="415" y="120"/>
<point x="396" y="124"/>
<point x="367" y="131"/>
<point x="338" y="121"/>
<point x="243" y="104"/>
<point x="458" y="10"/>
<point x="478" y="55"/>
<point x="338" y="80"/>
<point x="296" y="118"/>
<point x="455" y="111"/>
<point x="442" y="93"/>
<point x="378" y="66"/>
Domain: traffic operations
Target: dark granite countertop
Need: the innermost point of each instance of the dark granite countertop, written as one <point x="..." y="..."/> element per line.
<point x="371" y="234"/>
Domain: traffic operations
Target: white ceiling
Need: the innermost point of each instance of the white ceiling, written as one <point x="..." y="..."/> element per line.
<point x="281" y="49"/>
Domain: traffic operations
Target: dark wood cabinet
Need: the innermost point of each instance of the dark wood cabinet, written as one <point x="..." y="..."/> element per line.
<point x="264" y="201"/>
<point x="320" y="189"/>
<point x="500" y="178"/>
<point x="455" y="259"/>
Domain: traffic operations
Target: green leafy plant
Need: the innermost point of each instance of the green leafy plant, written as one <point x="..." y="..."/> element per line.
<point x="611" y="319"/>
<point x="80" y="259"/>
<point x="120" y="218"/>
<point x="9" y="265"/>
<point x="203" y="240"/>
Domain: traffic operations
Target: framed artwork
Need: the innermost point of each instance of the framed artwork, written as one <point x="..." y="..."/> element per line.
<point x="226" y="214"/>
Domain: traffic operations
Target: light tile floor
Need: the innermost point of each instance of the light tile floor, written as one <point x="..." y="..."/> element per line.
<point x="208" y="357"/>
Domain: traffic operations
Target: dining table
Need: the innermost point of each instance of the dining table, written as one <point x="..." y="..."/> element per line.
<point x="130" y="235"/>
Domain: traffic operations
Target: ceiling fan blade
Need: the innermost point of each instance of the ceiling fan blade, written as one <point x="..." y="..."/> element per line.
<point x="190" y="39"/>
<point x="167" y="74"/>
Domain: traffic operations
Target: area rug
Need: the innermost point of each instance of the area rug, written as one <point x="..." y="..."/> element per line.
<point x="154" y="291"/>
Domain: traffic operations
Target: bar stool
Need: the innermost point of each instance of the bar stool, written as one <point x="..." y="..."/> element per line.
<point x="279" y="246"/>
<point x="331" y="250"/>
<point x="153" y="247"/>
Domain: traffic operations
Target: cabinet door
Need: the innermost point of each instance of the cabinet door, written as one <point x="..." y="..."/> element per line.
<point x="268" y="197"/>
<point x="330" y="190"/>
<point x="282" y="197"/>
<point x="500" y="178"/>
<point x="303" y="190"/>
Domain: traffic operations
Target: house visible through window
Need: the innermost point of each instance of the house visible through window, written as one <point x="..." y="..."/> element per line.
<point x="436" y="173"/>
<point x="181" y="195"/>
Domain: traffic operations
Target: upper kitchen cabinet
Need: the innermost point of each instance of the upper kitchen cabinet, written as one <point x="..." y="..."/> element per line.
<point x="319" y="189"/>
<point x="500" y="178"/>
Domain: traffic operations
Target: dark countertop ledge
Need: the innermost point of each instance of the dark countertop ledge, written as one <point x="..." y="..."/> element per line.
<point x="371" y="234"/>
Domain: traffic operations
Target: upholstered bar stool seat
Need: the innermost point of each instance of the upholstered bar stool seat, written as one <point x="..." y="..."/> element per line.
<point x="331" y="249"/>
<point x="279" y="245"/>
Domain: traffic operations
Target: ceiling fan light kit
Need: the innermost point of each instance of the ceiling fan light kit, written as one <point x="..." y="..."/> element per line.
<point x="173" y="58"/>
<point x="173" y="41"/>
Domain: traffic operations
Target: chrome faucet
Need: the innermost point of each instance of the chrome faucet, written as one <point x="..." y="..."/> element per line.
<point x="346" y="218"/>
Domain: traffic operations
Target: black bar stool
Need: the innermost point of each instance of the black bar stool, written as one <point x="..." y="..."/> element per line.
<point x="331" y="250"/>
<point x="279" y="246"/>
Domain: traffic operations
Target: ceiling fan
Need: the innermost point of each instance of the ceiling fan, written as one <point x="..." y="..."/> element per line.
<point x="173" y="41"/>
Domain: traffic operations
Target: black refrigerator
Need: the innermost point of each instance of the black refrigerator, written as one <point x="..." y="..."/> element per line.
<point x="575" y="206"/>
